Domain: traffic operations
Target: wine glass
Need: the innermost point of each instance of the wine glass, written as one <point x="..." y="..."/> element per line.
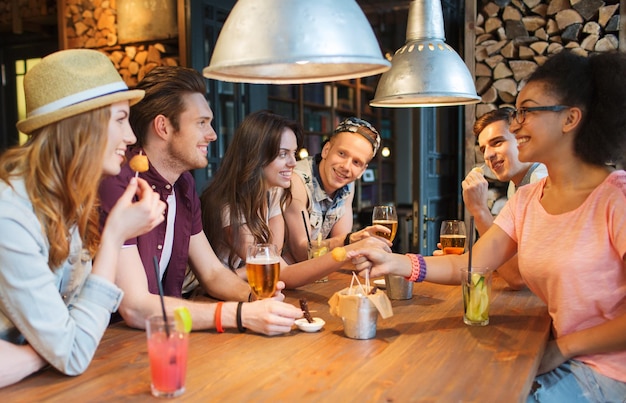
<point x="386" y="216"/>
<point x="452" y="237"/>
<point x="263" y="269"/>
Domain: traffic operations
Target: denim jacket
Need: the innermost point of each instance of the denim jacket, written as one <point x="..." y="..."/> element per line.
<point x="62" y="313"/>
<point x="324" y="212"/>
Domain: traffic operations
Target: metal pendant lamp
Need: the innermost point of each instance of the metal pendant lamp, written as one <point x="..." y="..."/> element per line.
<point x="295" y="41"/>
<point x="425" y="71"/>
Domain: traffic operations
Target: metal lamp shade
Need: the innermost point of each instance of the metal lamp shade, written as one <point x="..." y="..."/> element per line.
<point x="425" y="71"/>
<point x="295" y="41"/>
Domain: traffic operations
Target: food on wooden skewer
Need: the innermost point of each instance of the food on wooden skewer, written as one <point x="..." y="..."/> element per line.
<point x="139" y="163"/>
<point x="480" y="169"/>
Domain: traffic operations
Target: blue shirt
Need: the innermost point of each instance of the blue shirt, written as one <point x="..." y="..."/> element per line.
<point x="62" y="312"/>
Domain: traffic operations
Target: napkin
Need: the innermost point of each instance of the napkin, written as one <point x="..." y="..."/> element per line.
<point x="345" y="303"/>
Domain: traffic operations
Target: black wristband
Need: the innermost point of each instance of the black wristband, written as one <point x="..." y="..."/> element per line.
<point x="239" y="324"/>
<point x="346" y="241"/>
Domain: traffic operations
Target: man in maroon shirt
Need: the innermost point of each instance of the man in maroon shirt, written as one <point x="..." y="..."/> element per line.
<point x="173" y="128"/>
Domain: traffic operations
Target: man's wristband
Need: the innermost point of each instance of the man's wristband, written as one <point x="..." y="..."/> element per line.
<point x="239" y="322"/>
<point x="346" y="240"/>
<point x="218" y="317"/>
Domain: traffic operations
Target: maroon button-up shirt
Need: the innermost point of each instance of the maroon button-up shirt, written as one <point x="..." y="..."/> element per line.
<point x="188" y="222"/>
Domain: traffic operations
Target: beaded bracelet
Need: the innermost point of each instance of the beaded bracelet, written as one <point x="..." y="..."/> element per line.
<point x="218" y="317"/>
<point x="418" y="268"/>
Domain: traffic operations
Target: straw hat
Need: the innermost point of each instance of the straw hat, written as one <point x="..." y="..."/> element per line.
<point x="71" y="82"/>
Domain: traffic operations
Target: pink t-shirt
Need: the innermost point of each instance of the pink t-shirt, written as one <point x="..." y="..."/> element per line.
<point x="575" y="261"/>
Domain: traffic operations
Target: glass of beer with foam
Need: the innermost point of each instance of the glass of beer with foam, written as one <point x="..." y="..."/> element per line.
<point x="452" y="237"/>
<point x="387" y="217"/>
<point x="263" y="269"/>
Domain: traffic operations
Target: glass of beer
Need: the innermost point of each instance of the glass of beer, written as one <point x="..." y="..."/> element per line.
<point x="263" y="269"/>
<point x="452" y="237"/>
<point x="387" y="217"/>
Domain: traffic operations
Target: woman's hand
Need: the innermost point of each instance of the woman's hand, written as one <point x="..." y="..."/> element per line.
<point x="380" y="262"/>
<point x="128" y="218"/>
<point x="270" y="316"/>
<point x="278" y="295"/>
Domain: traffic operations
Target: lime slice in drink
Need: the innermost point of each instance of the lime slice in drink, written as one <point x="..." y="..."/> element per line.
<point x="320" y="252"/>
<point x="477" y="278"/>
<point x="182" y="317"/>
<point x="478" y="303"/>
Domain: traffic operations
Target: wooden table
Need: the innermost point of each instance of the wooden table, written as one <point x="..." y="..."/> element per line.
<point x="423" y="353"/>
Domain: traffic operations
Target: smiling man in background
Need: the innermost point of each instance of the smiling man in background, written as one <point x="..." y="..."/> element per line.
<point x="323" y="189"/>
<point x="499" y="148"/>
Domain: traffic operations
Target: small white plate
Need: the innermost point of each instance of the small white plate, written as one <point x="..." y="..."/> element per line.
<point x="305" y="326"/>
<point x="380" y="283"/>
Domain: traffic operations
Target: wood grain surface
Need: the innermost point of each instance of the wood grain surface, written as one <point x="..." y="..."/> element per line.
<point x="424" y="353"/>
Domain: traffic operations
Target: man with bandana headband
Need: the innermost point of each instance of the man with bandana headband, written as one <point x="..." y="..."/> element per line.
<point x="323" y="190"/>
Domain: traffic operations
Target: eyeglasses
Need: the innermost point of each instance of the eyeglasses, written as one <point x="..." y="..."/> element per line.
<point x="519" y="114"/>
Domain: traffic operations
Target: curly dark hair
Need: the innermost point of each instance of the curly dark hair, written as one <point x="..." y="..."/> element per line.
<point x="597" y="85"/>
<point x="239" y="182"/>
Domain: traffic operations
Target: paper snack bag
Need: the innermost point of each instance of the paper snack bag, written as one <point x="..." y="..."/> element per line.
<point x="345" y="303"/>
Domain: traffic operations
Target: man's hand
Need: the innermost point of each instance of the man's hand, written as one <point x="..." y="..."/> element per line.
<point x="269" y="316"/>
<point x="369" y="231"/>
<point x="475" y="190"/>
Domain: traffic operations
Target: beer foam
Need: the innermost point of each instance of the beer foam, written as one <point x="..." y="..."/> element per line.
<point x="263" y="260"/>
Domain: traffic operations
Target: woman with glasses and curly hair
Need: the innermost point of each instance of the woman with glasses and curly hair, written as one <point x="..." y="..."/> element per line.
<point x="568" y="229"/>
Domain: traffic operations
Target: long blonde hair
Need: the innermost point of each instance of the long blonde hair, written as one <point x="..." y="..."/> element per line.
<point x="58" y="165"/>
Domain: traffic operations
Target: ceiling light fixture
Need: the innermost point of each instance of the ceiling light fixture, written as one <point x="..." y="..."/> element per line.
<point x="295" y="41"/>
<point x="425" y="71"/>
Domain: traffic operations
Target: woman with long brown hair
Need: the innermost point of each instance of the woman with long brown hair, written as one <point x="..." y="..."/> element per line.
<point x="53" y="299"/>
<point x="247" y="195"/>
<point x="245" y="202"/>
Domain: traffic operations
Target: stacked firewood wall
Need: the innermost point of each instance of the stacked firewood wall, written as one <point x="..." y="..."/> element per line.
<point x="92" y="24"/>
<point x="513" y="37"/>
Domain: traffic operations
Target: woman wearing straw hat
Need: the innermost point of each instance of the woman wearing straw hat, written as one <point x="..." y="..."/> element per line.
<point x="52" y="297"/>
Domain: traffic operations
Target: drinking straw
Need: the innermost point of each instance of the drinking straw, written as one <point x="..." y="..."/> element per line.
<point x="306" y="228"/>
<point x="470" y="244"/>
<point x="160" y="286"/>
<point x="355" y="277"/>
<point x="352" y="283"/>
